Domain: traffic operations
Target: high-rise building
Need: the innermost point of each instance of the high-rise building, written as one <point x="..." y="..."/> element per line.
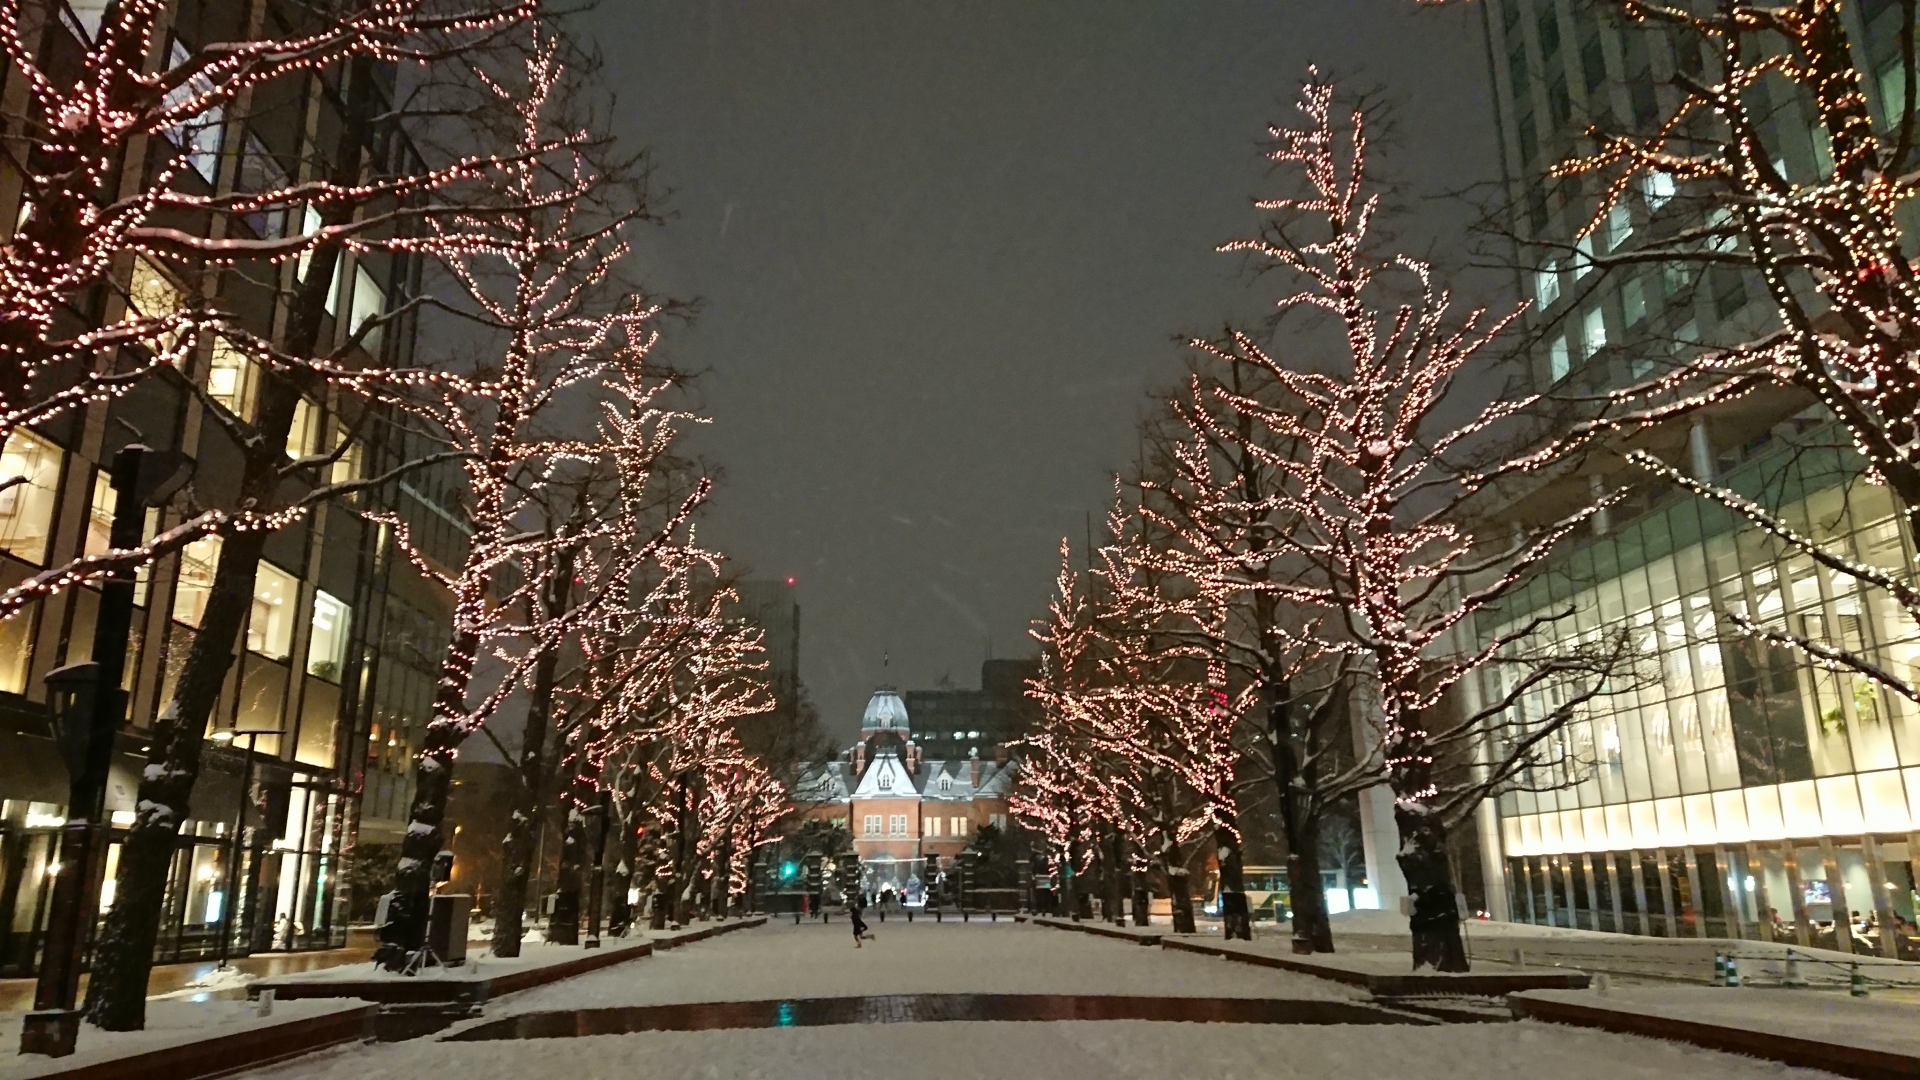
<point x="330" y="693"/>
<point x="952" y="722"/>
<point x="1738" y="791"/>
<point x="774" y="606"/>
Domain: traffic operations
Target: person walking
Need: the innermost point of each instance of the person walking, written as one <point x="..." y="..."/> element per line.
<point x="860" y="932"/>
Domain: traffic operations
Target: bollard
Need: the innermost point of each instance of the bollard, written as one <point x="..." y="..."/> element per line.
<point x="993" y="916"/>
<point x="1520" y="958"/>
<point x="1857" y="985"/>
<point x="909" y="914"/>
<point x="1602" y="984"/>
<point x="1733" y="970"/>
<point x="1719" y="970"/>
<point x="939" y="915"/>
<point x="264" y="1007"/>
<point x="1792" y="978"/>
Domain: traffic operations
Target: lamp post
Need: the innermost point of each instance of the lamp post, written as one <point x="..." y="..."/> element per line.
<point x="86" y="708"/>
<point x="228" y="900"/>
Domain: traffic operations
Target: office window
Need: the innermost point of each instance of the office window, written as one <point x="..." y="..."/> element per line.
<point x="897" y="825"/>
<point x="230" y="379"/>
<point x="270" y="625"/>
<point x="1633" y="300"/>
<point x="26" y="504"/>
<point x="99" y="539"/>
<point x="197" y="562"/>
<point x="305" y="426"/>
<point x="1593" y="332"/>
<point x="1619" y="225"/>
<point x="198" y="138"/>
<point x="1658" y="189"/>
<point x="1546" y="284"/>
<point x="369" y="300"/>
<point x="327" y="649"/>
<point x="1558" y="362"/>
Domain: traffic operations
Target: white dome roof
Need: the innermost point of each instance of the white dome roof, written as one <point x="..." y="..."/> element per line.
<point x="885" y="711"/>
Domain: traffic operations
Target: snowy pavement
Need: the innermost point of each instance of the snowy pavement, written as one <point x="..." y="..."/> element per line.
<point x="781" y="960"/>
<point x="810" y="960"/>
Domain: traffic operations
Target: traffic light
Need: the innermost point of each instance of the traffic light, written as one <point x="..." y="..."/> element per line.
<point x="787" y="870"/>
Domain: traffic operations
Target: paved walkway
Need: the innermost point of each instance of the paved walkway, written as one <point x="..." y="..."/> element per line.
<point x="17" y="994"/>
<point x="898" y="1006"/>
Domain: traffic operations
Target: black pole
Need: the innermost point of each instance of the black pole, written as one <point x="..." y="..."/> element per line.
<point x="228" y="905"/>
<point x="88" y="710"/>
<point x="599" y="875"/>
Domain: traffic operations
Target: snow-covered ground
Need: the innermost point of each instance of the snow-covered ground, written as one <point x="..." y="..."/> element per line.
<point x="1114" y="1050"/>
<point x="169" y="1023"/>
<point x="781" y="960"/>
<point x="810" y="960"/>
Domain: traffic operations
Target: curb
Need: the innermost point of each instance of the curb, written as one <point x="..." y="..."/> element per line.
<point x="225" y="1054"/>
<point x="1857" y="1062"/>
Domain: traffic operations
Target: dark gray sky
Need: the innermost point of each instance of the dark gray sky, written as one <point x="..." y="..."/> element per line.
<point x="944" y="249"/>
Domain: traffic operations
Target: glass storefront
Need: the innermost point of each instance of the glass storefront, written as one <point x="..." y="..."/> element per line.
<point x="1725" y="787"/>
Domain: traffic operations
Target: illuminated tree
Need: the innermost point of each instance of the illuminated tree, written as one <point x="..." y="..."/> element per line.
<point x="1135" y="726"/>
<point x="1378" y="484"/>
<point x="541" y="277"/>
<point x="347" y="202"/>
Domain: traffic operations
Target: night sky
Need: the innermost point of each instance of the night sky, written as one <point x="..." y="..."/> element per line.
<point x="946" y="248"/>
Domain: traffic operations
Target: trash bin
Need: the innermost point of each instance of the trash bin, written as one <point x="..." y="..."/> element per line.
<point x="447" y="921"/>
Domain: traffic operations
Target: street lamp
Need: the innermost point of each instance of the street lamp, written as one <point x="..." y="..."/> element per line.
<point x="86" y="708"/>
<point x="228" y="907"/>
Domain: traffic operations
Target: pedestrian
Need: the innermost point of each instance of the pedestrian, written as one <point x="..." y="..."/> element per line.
<point x="860" y="932"/>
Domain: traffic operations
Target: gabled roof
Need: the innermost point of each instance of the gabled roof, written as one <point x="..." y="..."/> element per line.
<point x="886" y="776"/>
<point x="826" y="782"/>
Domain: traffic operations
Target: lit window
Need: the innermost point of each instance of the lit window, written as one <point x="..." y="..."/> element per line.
<point x="347" y="466"/>
<point x="30" y="469"/>
<point x="100" y="529"/>
<point x="933" y="826"/>
<point x="1546" y="284"/>
<point x="959" y="826"/>
<point x="1658" y="189"/>
<point x="152" y="294"/>
<point x="1722" y="219"/>
<point x="300" y="433"/>
<point x="1558" y="361"/>
<point x="369" y="300"/>
<point x="88" y="13"/>
<point x="327" y="650"/>
<point x="1582" y="256"/>
<point x="1593" y="330"/>
<point x="310" y="224"/>
<point x="230" y="379"/>
<point x="197" y="563"/>
<point x="1893" y="92"/>
<point x="270" y="625"/>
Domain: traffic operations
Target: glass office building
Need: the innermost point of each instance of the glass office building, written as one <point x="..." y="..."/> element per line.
<point x="1728" y="787"/>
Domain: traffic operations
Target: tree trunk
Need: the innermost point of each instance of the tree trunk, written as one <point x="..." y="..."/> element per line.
<point x="1435" y="923"/>
<point x="1116" y="873"/>
<point x="1300" y="822"/>
<point x="123" y="958"/>
<point x="524" y="824"/>
<point x="564" y="927"/>
<point x="1180" y="892"/>
<point x="1236" y="921"/>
